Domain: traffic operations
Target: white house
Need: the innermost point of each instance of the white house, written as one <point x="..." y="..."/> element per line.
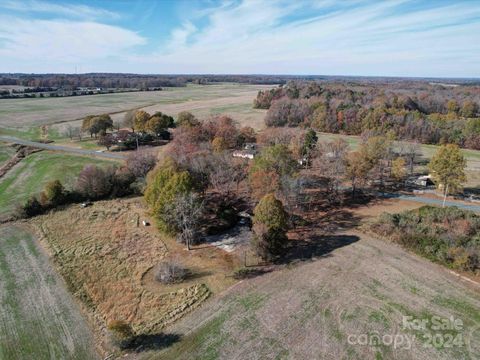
<point x="245" y="154"/>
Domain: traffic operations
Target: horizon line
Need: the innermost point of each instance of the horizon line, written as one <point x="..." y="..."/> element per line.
<point x="246" y="74"/>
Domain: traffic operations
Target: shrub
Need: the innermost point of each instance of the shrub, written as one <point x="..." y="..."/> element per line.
<point x="54" y="193"/>
<point x="246" y="273"/>
<point x="32" y="207"/>
<point x="170" y="272"/>
<point x="121" y="334"/>
<point x="463" y="259"/>
<point x="219" y="144"/>
<point x="187" y="119"/>
<point x="94" y="182"/>
<point x="140" y="162"/>
<point x="448" y="235"/>
<point x="270" y="228"/>
<point x="122" y="182"/>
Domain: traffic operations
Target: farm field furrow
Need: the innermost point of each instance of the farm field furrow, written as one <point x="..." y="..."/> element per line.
<point x="39" y="319"/>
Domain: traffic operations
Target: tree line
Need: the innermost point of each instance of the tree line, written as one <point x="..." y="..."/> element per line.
<point x="430" y="114"/>
<point x="128" y="81"/>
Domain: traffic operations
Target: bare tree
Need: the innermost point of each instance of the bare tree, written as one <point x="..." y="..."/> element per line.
<point x="117" y="125"/>
<point x="411" y="152"/>
<point x="71" y="131"/>
<point x="331" y="164"/>
<point x="225" y="174"/>
<point x="379" y="153"/>
<point x="291" y="189"/>
<point x="94" y="182"/>
<point x="186" y="212"/>
<point x="106" y="140"/>
<point x="129" y="119"/>
<point x="77" y="132"/>
<point x="140" y="162"/>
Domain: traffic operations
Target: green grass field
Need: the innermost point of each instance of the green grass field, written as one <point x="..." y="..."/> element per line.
<point x="38" y="318"/>
<point x="32" y="173"/>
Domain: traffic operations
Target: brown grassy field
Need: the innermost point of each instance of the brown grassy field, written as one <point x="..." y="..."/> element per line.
<point x="352" y="285"/>
<point x="238" y="106"/>
<point x="219" y="98"/>
<point x="106" y="259"/>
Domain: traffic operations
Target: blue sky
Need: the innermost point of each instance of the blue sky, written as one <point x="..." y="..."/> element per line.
<point x="358" y="37"/>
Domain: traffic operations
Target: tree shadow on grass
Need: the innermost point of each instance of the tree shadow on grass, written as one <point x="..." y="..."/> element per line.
<point x="317" y="246"/>
<point x="196" y="274"/>
<point x="339" y="219"/>
<point x="153" y="342"/>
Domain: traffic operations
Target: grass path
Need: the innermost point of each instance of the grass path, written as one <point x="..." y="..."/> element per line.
<point x="38" y="317"/>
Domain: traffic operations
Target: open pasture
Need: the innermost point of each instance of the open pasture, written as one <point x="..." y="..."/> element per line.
<point x="312" y="310"/>
<point x="31" y="174"/>
<point x="27" y="113"/>
<point x="238" y="106"/>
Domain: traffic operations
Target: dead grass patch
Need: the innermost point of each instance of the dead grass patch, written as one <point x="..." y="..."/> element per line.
<point x="106" y="258"/>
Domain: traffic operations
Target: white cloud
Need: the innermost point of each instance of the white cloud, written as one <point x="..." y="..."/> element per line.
<point x="179" y="36"/>
<point x="56" y="42"/>
<point x="370" y="38"/>
<point x="359" y="37"/>
<point x="69" y="10"/>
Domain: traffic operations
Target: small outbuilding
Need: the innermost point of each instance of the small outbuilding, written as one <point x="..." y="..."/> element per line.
<point x="425" y="181"/>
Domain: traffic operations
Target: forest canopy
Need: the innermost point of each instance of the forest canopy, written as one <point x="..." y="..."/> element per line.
<point x="427" y="112"/>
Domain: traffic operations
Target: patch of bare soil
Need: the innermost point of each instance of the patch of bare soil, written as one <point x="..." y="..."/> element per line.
<point x="391" y="206"/>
